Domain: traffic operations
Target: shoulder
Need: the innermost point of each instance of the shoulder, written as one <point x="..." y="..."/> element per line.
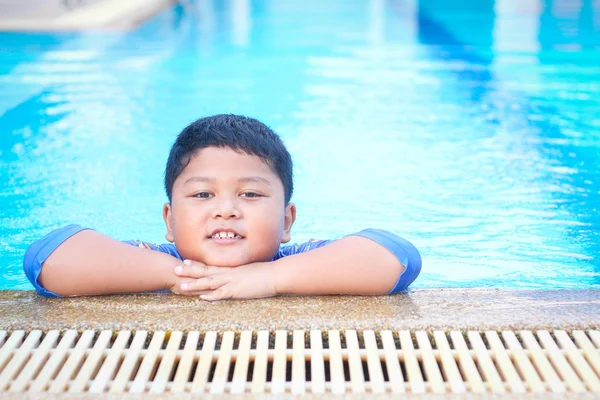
<point x="297" y="248"/>
<point x="386" y="238"/>
<point x="40" y="250"/>
<point x="404" y="250"/>
<point x="168" y="248"/>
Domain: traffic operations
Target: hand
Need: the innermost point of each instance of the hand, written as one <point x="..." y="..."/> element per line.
<point x="186" y="274"/>
<point x="250" y="281"/>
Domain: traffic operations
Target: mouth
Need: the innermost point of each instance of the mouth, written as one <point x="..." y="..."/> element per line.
<point x="225" y="234"/>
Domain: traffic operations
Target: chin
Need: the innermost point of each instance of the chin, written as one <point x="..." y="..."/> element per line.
<point x="226" y="263"/>
<point x="234" y="262"/>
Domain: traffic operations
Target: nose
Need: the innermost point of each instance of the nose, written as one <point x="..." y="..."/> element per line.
<point x="226" y="208"/>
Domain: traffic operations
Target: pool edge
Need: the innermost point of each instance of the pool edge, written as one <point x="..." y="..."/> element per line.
<point x="418" y="309"/>
<point x="112" y="15"/>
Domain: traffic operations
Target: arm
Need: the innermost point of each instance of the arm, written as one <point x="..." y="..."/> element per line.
<point x="351" y="265"/>
<point x="369" y="262"/>
<point x="89" y="263"/>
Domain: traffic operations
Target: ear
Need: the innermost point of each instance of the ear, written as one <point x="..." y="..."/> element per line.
<point x="290" y="218"/>
<point x="167" y="216"/>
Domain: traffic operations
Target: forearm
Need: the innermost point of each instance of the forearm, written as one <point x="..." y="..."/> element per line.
<point x="91" y="263"/>
<point x="352" y="265"/>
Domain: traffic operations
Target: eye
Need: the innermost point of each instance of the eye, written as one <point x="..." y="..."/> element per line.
<point x="203" y="195"/>
<point x="251" y="195"/>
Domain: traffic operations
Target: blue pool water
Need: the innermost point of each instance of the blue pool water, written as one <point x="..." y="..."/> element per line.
<point x="470" y="128"/>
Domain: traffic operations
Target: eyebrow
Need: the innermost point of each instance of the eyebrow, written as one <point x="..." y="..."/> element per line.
<point x="258" y="179"/>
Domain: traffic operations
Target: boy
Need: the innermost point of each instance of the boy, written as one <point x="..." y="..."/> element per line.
<point x="229" y="184"/>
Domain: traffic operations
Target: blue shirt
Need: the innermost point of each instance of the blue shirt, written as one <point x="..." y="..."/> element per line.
<point x="407" y="254"/>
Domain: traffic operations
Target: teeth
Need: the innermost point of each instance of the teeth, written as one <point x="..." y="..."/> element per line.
<point x="225" y="235"/>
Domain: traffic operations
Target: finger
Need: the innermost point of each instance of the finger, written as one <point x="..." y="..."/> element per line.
<point x="176" y="288"/>
<point x="192" y="269"/>
<point x="219" y="294"/>
<point x="194" y="293"/>
<point x="199" y="270"/>
<point x="202" y="284"/>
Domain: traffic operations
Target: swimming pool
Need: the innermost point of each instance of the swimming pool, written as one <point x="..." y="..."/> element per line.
<point x="472" y="130"/>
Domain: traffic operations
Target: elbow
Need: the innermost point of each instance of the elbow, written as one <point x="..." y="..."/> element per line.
<point x="385" y="278"/>
<point x="51" y="282"/>
<point x="41" y="277"/>
<point x="402" y="264"/>
<point x="38" y="260"/>
<point x="393" y="274"/>
<point x="407" y="274"/>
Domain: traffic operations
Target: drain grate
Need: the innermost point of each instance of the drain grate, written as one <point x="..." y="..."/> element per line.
<point x="299" y="362"/>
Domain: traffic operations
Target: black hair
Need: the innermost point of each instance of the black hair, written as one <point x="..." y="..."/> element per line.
<point x="238" y="133"/>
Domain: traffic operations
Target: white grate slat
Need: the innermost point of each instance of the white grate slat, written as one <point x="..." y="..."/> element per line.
<point x="55" y="362"/>
<point x="317" y="363"/>
<point x="259" y="376"/>
<point x="110" y="364"/>
<point x="523" y="364"/>
<point x="578" y="362"/>
<point x="560" y="362"/>
<point x="300" y="362"/>
<point x="20" y="357"/>
<point x="448" y="363"/>
<point x="36" y="362"/>
<point x="206" y="357"/>
<point x="73" y="363"/>
<point x="591" y="354"/>
<point x="411" y="363"/>
<point x="432" y="372"/>
<point x="238" y="384"/>
<point x="357" y="378"/>
<point x="223" y="362"/>
<point x="167" y="363"/>
<point x="131" y="359"/>
<point x="185" y="363"/>
<point x="374" y="362"/>
<point x="148" y="364"/>
<point x="467" y="363"/>
<point x="392" y="363"/>
<point x="336" y="364"/>
<point x="505" y="366"/>
<point x="91" y="364"/>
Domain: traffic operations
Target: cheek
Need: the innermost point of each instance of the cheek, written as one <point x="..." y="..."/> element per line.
<point x="270" y="234"/>
<point x="188" y="215"/>
<point x="267" y="222"/>
<point x="186" y="227"/>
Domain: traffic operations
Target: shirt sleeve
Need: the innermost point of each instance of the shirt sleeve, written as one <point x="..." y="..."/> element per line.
<point x="296" y="248"/>
<point x="405" y="252"/>
<point x="168" y="248"/>
<point x="41" y="249"/>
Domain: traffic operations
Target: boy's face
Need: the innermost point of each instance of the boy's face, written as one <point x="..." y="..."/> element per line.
<point x="228" y="209"/>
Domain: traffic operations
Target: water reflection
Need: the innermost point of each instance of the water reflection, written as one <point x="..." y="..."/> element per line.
<point x="570" y="25"/>
<point x="471" y="128"/>
<point x="564" y="169"/>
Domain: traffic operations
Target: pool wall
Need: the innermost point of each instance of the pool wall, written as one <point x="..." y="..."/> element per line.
<point x="424" y="309"/>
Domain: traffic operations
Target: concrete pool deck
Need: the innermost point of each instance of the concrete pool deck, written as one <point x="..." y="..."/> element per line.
<point x="419" y="309"/>
<point x="52" y="15"/>
<point x="171" y="320"/>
